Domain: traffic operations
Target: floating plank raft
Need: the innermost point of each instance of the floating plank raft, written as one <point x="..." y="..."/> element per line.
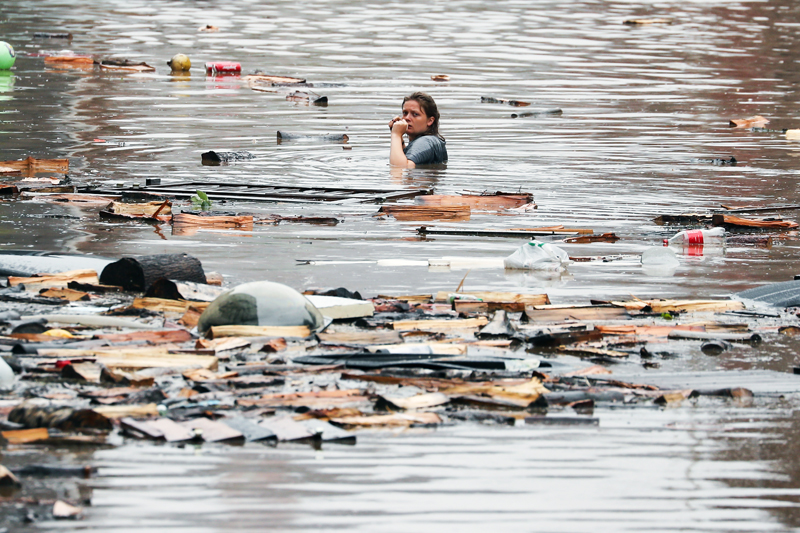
<point x="268" y="193"/>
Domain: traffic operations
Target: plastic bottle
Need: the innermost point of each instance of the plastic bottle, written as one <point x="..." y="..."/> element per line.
<point x="698" y="236"/>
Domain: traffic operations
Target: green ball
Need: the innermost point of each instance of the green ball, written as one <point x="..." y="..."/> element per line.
<point x="7" y="56"/>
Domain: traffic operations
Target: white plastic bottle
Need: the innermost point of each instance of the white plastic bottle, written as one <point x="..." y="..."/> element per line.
<point x="699" y="236"/>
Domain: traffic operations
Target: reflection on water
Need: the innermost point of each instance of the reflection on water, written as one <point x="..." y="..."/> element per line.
<point x="645" y="109"/>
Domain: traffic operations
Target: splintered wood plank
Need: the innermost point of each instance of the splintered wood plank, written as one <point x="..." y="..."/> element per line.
<point x="538" y="314"/>
<point x="439" y="325"/>
<point x="217" y="332"/>
<point x="136" y="358"/>
<point x="489" y="202"/>
<point x="25" y="436"/>
<point x="730" y="220"/>
<point x="393" y="420"/>
<point x="186" y="220"/>
<point x="153" y="337"/>
<point x="497" y="297"/>
<point x="411" y="298"/>
<point x="122" y="411"/>
<point x="361" y="337"/>
<point x="69" y="295"/>
<point x="164" y="305"/>
<point x="454" y="213"/>
<point x="61" y="279"/>
<point x="33" y="166"/>
<point x="663" y="306"/>
<point x="418" y="401"/>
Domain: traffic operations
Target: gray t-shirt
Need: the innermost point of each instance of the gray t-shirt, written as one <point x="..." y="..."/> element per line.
<point x="426" y="150"/>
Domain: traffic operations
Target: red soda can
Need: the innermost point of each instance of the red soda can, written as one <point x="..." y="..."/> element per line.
<point x="223" y="67"/>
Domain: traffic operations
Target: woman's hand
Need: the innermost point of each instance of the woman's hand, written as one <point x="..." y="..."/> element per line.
<point x="395" y="119"/>
<point x="399" y="126"/>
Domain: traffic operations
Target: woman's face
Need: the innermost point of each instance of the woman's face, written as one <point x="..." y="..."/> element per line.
<point x="418" y="122"/>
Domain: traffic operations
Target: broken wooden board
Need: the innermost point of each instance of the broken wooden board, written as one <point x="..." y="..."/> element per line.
<point x="393" y="420"/>
<point x="65" y="294"/>
<point x="156" y="211"/>
<point x="31" y="166"/>
<point x="272" y="80"/>
<point x="135" y="358"/>
<point x="187" y="220"/>
<point x="341" y="308"/>
<point x="583" y="239"/>
<point x="216" y="332"/>
<point x="483" y="202"/>
<point x="163" y="305"/>
<point x="494" y="297"/>
<point x="268" y="193"/>
<point x="25" y="436"/>
<point x="360" y="337"/>
<point x="61" y="279"/>
<point x="588" y="351"/>
<point x="122" y="411"/>
<point x="143" y="67"/>
<point x="732" y="222"/>
<point x="87" y="61"/>
<point x="645" y="331"/>
<point x="663" y="306"/>
<point x="411" y="298"/>
<point x="756" y="121"/>
<point x="418" y="401"/>
<point x="467" y="307"/>
<point x="439" y="325"/>
<point x="151" y="337"/>
<point x="547" y="313"/>
<point x="405" y="213"/>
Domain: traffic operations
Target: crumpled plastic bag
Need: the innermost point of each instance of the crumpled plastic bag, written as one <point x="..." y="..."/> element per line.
<point x="537" y="256"/>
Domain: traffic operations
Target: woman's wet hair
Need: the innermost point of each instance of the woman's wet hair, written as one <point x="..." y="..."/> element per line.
<point x="427" y="105"/>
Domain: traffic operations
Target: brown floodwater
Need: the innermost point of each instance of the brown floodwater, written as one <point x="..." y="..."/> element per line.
<point x="645" y="110"/>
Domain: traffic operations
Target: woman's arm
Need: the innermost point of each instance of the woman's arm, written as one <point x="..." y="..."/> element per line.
<point x="396" y="155"/>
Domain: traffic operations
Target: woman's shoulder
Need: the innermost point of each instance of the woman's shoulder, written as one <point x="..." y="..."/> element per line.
<point x="427" y="150"/>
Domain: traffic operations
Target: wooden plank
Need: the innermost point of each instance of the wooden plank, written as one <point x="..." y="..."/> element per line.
<point x="663" y="306"/>
<point x="163" y="305"/>
<point x="361" y="337"/>
<point x="488" y="202"/>
<point x="393" y="420"/>
<point x="122" y="411"/>
<point x="496" y="297"/>
<point x="33" y="166"/>
<point x="411" y="298"/>
<point x="418" y="401"/>
<point x="217" y="332"/>
<point x="136" y="358"/>
<point x="152" y="337"/>
<point x="25" y="436"/>
<point x="466" y="307"/>
<point x="739" y="222"/>
<point x="540" y="315"/>
<point x="147" y="209"/>
<point x="187" y="220"/>
<point x="425" y="213"/>
<point x="60" y="279"/>
<point x="439" y="325"/>
<point x="69" y="295"/>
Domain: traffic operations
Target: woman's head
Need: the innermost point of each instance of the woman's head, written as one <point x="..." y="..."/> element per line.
<point x="421" y="114"/>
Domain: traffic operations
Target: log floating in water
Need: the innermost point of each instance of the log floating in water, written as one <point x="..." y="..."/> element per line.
<point x="289" y="136"/>
<point x="605" y="237"/>
<point x="215" y="158"/>
<point x="138" y="273"/>
<point x="492" y="100"/>
<point x="544" y="112"/>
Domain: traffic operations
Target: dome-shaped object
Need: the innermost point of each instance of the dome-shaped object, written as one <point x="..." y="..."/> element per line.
<point x="260" y="303"/>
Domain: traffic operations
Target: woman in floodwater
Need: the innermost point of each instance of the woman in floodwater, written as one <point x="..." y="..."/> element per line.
<point x="420" y="121"/>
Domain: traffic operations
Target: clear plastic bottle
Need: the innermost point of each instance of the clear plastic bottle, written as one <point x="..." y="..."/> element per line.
<point x="698" y="236"/>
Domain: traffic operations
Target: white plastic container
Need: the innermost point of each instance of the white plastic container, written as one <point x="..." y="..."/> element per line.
<point x="537" y="256"/>
<point x="699" y="236"/>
